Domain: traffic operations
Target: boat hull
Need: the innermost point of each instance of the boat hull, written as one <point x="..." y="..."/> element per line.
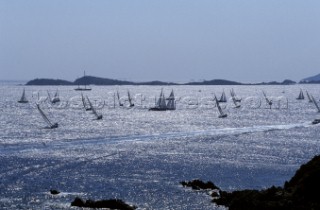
<point x="23" y="102"/>
<point x="157" y="109"/>
<point x="82" y="89"/>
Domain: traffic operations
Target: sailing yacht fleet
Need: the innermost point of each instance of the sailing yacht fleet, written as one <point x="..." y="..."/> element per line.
<point x="162" y="103"/>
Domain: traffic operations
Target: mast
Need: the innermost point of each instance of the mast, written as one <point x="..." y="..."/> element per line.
<point x="85" y="84"/>
<point x="85" y="81"/>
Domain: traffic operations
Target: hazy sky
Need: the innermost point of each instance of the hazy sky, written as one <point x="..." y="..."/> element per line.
<point x="169" y="40"/>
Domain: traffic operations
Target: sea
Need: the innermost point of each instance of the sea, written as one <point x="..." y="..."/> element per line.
<point x="141" y="156"/>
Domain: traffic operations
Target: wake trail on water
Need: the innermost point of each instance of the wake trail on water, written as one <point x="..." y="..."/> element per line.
<point x="64" y="144"/>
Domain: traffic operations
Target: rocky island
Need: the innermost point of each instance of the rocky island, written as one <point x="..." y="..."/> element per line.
<point x="91" y="80"/>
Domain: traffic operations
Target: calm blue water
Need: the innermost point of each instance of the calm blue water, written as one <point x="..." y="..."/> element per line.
<point x="140" y="156"/>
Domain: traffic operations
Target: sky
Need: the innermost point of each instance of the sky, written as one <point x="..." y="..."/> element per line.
<point x="167" y="40"/>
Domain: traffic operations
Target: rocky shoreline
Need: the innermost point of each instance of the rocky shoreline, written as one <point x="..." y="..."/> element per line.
<point x="301" y="192"/>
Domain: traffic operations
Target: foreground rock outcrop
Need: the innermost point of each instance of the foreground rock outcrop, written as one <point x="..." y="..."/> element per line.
<point x="301" y="192"/>
<point x="199" y="185"/>
<point x="110" y="204"/>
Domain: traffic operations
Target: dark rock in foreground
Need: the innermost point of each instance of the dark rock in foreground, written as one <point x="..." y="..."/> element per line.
<point x="200" y="185"/>
<point x="54" y="192"/>
<point x="111" y="204"/>
<point x="301" y="192"/>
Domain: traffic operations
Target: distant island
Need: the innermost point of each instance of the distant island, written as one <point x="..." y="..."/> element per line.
<point x="311" y="80"/>
<point x="91" y="80"/>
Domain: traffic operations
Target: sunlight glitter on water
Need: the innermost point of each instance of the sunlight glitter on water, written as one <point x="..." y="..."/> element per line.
<point x="140" y="156"/>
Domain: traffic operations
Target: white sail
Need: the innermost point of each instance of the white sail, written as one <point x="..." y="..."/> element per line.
<point x="160" y="103"/>
<point x="130" y="100"/>
<point x="46" y="119"/>
<point x="171" y="104"/>
<point x="49" y="96"/>
<point x="235" y="102"/>
<point x="56" y="98"/>
<point x="221" y="114"/>
<point x="118" y="96"/>
<point x="159" y="100"/>
<point x="98" y="116"/>
<point x="23" y="98"/>
<point x="223" y="98"/>
<point x="234" y="96"/>
<point x="85" y="106"/>
<point x="234" y="99"/>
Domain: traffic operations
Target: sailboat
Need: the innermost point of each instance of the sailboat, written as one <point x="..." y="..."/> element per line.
<point x="309" y="98"/>
<point x="223" y="98"/>
<point x="315" y="103"/>
<point x="23" y="98"/>
<point x="46" y="119"/>
<point x="221" y="114"/>
<point x="234" y="96"/>
<point x="234" y="99"/>
<point x="235" y="102"/>
<point x="131" y="104"/>
<point x="85" y="84"/>
<point x="316" y="121"/>
<point x="171" y="104"/>
<point x="98" y="116"/>
<point x="55" y="98"/>
<point x="118" y="96"/>
<point x="268" y="101"/>
<point x="160" y="103"/>
<point x="301" y="96"/>
<point x="85" y="106"/>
